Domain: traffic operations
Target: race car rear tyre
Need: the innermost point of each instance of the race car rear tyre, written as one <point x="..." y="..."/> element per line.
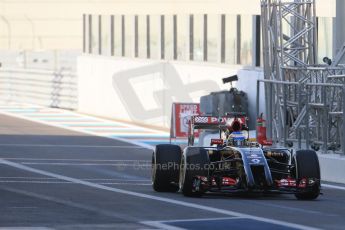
<point x="195" y="162"/>
<point x="165" y="168"/>
<point x="307" y="166"/>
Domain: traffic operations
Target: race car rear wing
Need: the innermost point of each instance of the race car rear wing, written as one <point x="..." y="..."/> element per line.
<point x="211" y="122"/>
<point x="207" y="122"/>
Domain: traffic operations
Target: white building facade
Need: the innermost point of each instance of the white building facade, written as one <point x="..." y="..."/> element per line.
<point x="141" y="61"/>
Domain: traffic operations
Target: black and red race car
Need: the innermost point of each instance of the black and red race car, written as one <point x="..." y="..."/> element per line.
<point x="232" y="163"/>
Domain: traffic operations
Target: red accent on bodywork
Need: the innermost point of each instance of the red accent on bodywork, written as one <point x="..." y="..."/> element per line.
<point x="228" y="181"/>
<point x="217" y="141"/>
<point x="289" y="182"/>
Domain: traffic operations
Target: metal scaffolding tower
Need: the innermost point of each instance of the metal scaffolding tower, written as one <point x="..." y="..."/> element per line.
<point x="289" y="35"/>
<point x="304" y="100"/>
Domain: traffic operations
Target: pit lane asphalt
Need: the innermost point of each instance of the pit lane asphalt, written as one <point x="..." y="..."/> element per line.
<point x="55" y="178"/>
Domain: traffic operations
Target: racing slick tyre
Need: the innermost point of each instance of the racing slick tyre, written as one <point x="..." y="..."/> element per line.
<point x="194" y="162"/>
<point x="165" y="168"/>
<point x="307" y="166"/>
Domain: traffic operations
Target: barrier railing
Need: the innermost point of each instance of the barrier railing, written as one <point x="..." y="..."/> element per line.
<point x="43" y="87"/>
<point x="308" y="113"/>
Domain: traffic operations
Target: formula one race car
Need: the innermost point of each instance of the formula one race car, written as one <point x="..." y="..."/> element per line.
<point x="231" y="163"/>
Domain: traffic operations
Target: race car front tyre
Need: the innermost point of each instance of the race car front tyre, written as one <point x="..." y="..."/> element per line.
<point x="165" y="168"/>
<point x="195" y="162"/>
<point x="307" y="166"/>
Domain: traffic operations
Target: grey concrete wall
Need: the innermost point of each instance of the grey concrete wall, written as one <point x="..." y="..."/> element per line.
<point x="332" y="167"/>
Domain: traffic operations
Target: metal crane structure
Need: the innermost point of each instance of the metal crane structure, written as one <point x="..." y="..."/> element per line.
<point x="305" y="100"/>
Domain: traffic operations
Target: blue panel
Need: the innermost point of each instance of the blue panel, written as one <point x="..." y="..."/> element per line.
<point x="226" y="224"/>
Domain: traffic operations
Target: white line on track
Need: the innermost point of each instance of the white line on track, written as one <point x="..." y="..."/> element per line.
<point x="88" y="179"/>
<point x="70" y="203"/>
<point x="138" y="165"/>
<point x="160" y="225"/>
<point x="67" y="182"/>
<point x="73" y="159"/>
<point x="164" y="224"/>
<point x="156" y="198"/>
<point x="115" y="183"/>
<point x="332" y="186"/>
<point x="25" y="228"/>
<point x="73" y="146"/>
<point x="197" y="219"/>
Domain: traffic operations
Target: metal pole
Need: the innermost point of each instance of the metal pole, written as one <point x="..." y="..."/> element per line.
<point x="84" y="33"/>
<point x="299" y="139"/>
<point x="307" y="137"/>
<point x="90" y="33"/>
<point x="279" y="111"/>
<point x="257" y="98"/>
<point x="325" y="120"/>
<point x="343" y="142"/>
<point x="269" y="111"/>
<point x="284" y="127"/>
<point x="100" y="34"/>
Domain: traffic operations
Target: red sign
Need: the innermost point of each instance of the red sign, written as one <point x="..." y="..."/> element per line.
<point x="180" y="117"/>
